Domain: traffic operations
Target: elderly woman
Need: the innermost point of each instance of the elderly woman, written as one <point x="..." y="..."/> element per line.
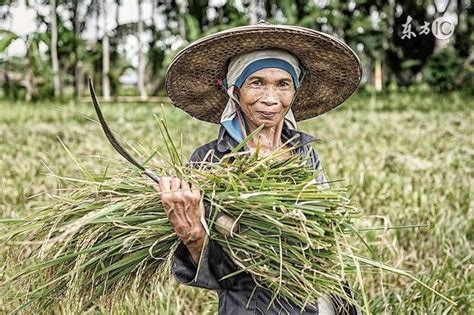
<point x="270" y="75"/>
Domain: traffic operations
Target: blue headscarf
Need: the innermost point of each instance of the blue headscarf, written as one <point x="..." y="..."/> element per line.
<point x="240" y="68"/>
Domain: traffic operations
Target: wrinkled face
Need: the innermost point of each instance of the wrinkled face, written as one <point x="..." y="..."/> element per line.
<point x="265" y="96"/>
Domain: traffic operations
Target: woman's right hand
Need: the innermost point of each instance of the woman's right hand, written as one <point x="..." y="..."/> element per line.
<point x="183" y="207"/>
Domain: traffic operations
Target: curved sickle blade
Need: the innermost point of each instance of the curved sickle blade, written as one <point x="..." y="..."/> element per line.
<point x="113" y="141"/>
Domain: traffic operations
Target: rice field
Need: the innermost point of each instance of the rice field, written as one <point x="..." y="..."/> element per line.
<point x="407" y="156"/>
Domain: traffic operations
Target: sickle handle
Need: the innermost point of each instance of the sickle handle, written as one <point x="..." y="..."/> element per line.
<point x="226" y="225"/>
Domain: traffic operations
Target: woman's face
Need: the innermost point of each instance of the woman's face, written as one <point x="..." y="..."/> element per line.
<point x="265" y="96"/>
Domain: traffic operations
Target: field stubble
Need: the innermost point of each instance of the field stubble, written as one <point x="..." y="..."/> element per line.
<point x="408" y="162"/>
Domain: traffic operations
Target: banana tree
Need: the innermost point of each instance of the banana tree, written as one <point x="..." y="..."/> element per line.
<point x="36" y="71"/>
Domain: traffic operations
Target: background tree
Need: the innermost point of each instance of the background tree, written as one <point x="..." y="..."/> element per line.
<point x="54" y="50"/>
<point x="373" y="28"/>
<point x="141" y="54"/>
<point x="105" y="54"/>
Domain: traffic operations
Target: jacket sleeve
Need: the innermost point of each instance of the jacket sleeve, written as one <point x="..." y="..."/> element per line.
<point x="215" y="263"/>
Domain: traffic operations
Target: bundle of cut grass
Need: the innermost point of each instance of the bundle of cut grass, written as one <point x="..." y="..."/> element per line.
<point x="111" y="233"/>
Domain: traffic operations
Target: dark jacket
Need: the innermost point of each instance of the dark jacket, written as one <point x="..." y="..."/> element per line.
<point x="236" y="292"/>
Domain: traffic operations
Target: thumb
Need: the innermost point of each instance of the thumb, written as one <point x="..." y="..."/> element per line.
<point x="203" y="218"/>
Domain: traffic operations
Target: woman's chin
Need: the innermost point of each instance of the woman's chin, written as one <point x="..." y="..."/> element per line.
<point x="269" y="122"/>
<point x="266" y="124"/>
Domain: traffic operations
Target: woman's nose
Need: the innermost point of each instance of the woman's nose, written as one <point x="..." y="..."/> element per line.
<point x="270" y="96"/>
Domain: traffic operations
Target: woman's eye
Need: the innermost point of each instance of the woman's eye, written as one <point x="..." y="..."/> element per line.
<point x="256" y="82"/>
<point x="284" y="84"/>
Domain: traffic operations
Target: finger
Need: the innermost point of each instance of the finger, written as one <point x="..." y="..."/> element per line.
<point x="169" y="211"/>
<point x="165" y="183"/>
<point x="175" y="183"/>
<point x="195" y="190"/>
<point x="184" y="185"/>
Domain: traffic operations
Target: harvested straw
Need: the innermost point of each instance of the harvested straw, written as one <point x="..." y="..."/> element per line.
<point x="112" y="234"/>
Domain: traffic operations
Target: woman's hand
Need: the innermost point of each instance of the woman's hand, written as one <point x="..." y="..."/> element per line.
<point x="182" y="203"/>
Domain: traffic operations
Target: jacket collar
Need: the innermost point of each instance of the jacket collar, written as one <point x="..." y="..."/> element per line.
<point x="225" y="142"/>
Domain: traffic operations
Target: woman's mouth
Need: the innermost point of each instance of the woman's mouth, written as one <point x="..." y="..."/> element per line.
<point x="267" y="114"/>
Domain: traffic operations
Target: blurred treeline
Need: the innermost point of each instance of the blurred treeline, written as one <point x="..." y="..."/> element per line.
<point x="59" y="58"/>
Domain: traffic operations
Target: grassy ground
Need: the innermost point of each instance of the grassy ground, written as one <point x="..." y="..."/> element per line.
<point x="408" y="157"/>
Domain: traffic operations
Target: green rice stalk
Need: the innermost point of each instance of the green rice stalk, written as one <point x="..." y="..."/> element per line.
<point x="110" y="234"/>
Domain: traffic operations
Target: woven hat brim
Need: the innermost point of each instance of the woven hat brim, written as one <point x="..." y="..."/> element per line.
<point x="333" y="69"/>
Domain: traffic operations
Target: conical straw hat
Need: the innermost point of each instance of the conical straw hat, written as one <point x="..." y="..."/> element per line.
<point x="332" y="69"/>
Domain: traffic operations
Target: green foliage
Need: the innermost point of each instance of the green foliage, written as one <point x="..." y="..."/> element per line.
<point x="467" y="79"/>
<point x="32" y="68"/>
<point x="193" y="31"/>
<point x="6" y="38"/>
<point x="372" y="28"/>
<point x="444" y="70"/>
<point x="288" y="11"/>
